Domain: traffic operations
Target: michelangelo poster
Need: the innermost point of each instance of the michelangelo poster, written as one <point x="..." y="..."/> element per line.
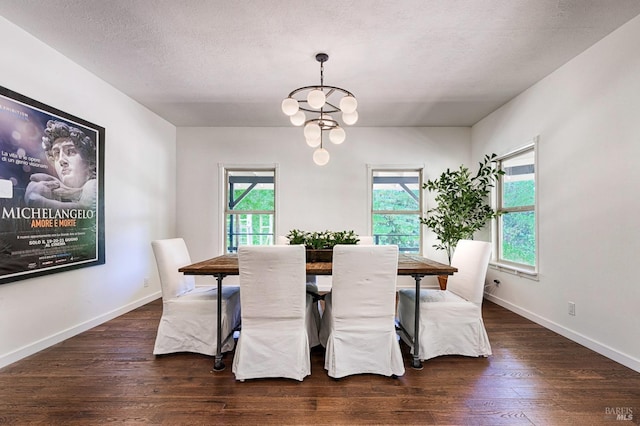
<point x="51" y="189"/>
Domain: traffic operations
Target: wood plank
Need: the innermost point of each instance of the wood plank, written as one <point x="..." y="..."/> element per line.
<point x="109" y="374"/>
<point x="408" y="264"/>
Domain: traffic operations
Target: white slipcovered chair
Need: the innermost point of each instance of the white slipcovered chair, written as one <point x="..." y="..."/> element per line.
<point x="313" y="297"/>
<point x="358" y="325"/>
<point x="451" y="320"/>
<point x="273" y="341"/>
<point x="189" y="313"/>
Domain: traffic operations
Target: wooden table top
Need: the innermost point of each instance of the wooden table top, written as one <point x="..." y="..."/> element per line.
<point x="408" y="264"/>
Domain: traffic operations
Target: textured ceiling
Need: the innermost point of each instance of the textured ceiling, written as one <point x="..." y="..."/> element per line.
<point x="409" y="62"/>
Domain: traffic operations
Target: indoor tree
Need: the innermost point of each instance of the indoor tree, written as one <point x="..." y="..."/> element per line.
<point x="462" y="203"/>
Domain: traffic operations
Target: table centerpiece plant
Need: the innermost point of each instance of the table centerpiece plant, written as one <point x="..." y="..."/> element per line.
<point x="319" y="245"/>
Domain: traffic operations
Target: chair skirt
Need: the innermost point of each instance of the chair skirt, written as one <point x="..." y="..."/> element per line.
<point x="188" y="322"/>
<point x="359" y="349"/>
<point x="449" y="324"/>
<point x="266" y="352"/>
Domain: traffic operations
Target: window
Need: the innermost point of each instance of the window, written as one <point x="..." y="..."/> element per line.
<point x="249" y="207"/>
<point x="516" y="201"/>
<point x="396" y="208"/>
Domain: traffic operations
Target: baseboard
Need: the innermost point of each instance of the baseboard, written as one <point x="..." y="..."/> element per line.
<point x="41" y="344"/>
<point x="585" y="341"/>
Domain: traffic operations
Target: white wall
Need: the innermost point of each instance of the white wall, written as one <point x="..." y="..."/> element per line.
<point x="311" y="197"/>
<point x="587" y="114"/>
<point x="139" y="202"/>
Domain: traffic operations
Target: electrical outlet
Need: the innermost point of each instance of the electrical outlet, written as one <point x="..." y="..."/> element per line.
<point x="572" y="308"/>
<point x="146" y="282"/>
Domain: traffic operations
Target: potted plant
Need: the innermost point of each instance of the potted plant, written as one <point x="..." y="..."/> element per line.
<point x="462" y="204"/>
<point x="319" y="245"/>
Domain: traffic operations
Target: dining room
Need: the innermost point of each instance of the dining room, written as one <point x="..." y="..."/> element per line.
<point x="167" y="178"/>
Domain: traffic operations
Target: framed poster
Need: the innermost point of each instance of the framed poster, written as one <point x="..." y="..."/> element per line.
<point x="51" y="190"/>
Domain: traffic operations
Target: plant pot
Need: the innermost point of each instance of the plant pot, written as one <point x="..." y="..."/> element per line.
<point x="321" y="255"/>
<point x="442" y="280"/>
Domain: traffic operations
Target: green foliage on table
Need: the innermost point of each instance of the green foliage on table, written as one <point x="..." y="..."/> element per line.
<point x="323" y="239"/>
<point x="462" y="203"/>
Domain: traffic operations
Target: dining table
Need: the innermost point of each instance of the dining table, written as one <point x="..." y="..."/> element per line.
<point x="409" y="264"/>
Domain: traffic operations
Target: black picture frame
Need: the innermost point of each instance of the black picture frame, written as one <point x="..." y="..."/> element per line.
<point x="51" y="190"/>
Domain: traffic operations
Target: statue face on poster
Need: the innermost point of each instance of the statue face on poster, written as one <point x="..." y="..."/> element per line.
<point x="72" y="153"/>
<point x="72" y="169"/>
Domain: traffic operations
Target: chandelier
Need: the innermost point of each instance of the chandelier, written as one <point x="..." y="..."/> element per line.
<point x="320" y="102"/>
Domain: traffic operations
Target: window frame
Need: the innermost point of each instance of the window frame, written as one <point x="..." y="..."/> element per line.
<point x="224" y="170"/>
<point x="529" y="271"/>
<point x="371" y="169"/>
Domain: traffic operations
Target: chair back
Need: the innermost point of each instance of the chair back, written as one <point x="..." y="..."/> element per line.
<point x="272" y="283"/>
<point x="170" y="255"/>
<point x="364" y="285"/>
<point x="273" y="340"/>
<point x="472" y="260"/>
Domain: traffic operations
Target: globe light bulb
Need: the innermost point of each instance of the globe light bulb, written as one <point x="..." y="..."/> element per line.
<point x="313" y="143"/>
<point x="312" y="131"/>
<point x="298" y="118"/>
<point x="290" y="106"/>
<point x="316" y="98"/>
<point x="350" y="118"/>
<point x="337" y="135"/>
<point x="321" y="156"/>
<point x="348" y="104"/>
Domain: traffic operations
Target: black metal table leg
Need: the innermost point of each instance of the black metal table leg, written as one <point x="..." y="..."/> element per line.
<point x="415" y="363"/>
<point x="218" y="365"/>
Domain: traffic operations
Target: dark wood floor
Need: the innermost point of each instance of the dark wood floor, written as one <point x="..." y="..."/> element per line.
<point x="109" y="374"/>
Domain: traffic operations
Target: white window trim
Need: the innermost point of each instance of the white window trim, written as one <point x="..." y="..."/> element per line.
<point x="222" y="197"/>
<point x="391" y="167"/>
<point x="518" y="269"/>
